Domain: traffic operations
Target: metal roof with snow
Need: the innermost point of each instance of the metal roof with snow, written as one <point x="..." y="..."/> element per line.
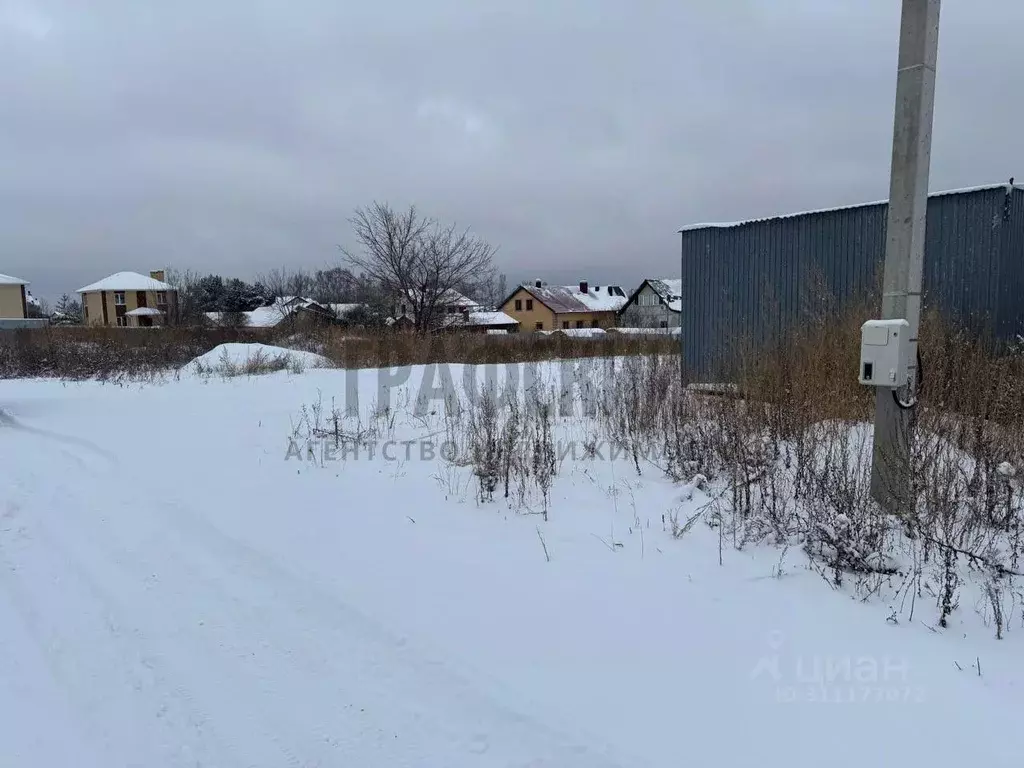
<point x="127" y="281"/>
<point x="8" y="280"/>
<point x="942" y="193"/>
<point x="565" y="299"/>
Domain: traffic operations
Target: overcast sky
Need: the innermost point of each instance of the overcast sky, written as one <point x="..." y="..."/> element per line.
<point x="236" y="136"/>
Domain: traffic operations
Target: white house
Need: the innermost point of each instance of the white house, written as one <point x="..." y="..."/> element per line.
<point x="657" y="303"/>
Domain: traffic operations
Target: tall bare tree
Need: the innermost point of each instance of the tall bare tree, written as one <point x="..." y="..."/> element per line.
<point x="416" y="260"/>
<point x="284" y="282"/>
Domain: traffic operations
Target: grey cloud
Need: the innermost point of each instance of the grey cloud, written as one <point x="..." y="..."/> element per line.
<point x="578" y="135"/>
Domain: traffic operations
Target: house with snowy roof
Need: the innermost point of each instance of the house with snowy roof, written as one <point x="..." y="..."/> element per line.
<point x="448" y="307"/>
<point x="538" y="306"/>
<point x="128" y="299"/>
<point x="657" y="303"/>
<point x="291" y="310"/>
<point x="479" y="321"/>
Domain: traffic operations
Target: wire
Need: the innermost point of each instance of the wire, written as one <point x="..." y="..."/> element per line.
<point x="918" y="381"/>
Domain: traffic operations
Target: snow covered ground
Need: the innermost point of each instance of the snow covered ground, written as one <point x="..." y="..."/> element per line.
<point x="178" y="588"/>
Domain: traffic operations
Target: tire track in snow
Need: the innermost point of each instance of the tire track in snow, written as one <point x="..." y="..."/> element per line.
<point x="8" y="420"/>
<point x="342" y="620"/>
<point x="288" y="636"/>
<point x="317" y="655"/>
<point x="121" y="651"/>
<point x="90" y="539"/>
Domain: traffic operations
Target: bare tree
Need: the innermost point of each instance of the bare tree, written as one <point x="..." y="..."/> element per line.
<point x="282" y="282"/>
<point x="335" y="285"/>
<point x="416" y="260"/>
<point x="186" y="283"/>
<point x="494" y="290"/>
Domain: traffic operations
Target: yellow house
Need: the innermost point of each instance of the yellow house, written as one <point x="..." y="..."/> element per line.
<point x="13" y="298"/>
<point x="542" y="307"/>
<point x="129" y="299"/>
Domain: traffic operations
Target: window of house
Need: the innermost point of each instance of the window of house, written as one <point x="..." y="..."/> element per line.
<point x="122" y="321"/>
<point x="593" y="323"/>
<point x="161" y="297"/>
<point x="529" y="305"/>
<point x="565" y="323"/>
<point x="519" y="305"/>
<point x="579" y="323"/>
<point x="539" y="326"/>
<point x="85" y="308"/>
<point x="119" y="298"/>
<point x="664" y="323"/>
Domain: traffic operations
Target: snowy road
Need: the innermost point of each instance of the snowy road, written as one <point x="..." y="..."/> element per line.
<point x="165" y="642"/>
<point x="175" y="592"/>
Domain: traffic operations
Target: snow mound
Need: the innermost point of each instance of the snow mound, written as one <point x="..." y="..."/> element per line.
<point x="237" y="359"/>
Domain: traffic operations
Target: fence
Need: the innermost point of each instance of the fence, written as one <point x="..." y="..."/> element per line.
<point x="753" y="280"/>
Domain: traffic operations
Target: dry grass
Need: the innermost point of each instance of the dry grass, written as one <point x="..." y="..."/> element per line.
<point x="256" y="364"/>
<point x="787" y="460"/>
<point x="116" y="353"/>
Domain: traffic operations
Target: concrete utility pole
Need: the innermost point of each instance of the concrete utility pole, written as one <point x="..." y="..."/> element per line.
<point x="905" y="233"/>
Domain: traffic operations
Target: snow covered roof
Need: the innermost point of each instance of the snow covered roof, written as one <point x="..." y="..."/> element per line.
<point x="127" y="281"/>
<point x="479" y="318"/>
<point x="144" y="312"/>
<point x="942" y="193"/>
<point x="670" y="290"/>
<point x="562" y="299"/>
<point x="491" y="318"/>
<point x="8" y="280"/>
<point x="270" y="316"/>
<point x="646" y="331"/>
<point x="581" y="333"/>
<point x="266" y="317"/>
<point x="262" y="317"/>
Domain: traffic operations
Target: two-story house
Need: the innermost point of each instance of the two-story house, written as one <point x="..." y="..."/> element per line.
<point x="541" y="307"/>
<point x="129" y="299"/>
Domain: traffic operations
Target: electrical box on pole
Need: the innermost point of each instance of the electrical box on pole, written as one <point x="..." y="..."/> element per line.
<point x="885" y="353"/>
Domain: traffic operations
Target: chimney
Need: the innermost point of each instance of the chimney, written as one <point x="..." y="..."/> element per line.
<point x="584" y="288"/>
<point x="537" y="283"/>
<point x="157" y="274"/>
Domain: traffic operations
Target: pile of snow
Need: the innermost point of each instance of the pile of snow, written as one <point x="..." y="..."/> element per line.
<point x="238" y="359"/>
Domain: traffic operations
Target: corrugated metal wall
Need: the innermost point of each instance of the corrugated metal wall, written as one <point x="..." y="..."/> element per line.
<point x="752" y="281"/>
